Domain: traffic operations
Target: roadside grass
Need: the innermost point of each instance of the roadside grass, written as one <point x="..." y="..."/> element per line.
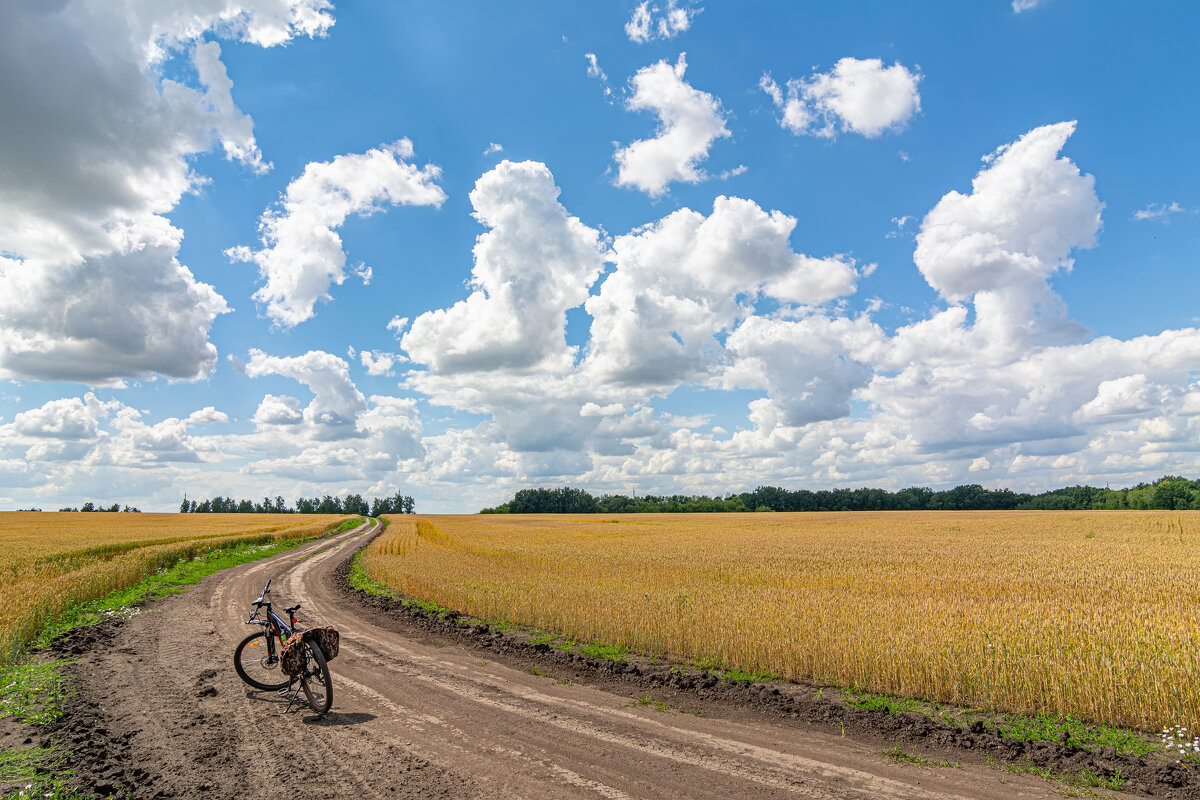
<point x="871" y="701"/>
<point x="46" y="787"/>
<point x="721" y="672"/>
<point x="1077" y="784"/>
<point x="349" y="524"/>
<point x="648" y="700"/>
<point x="35" y="692"/>
<point x="899" y="755"/>
<point x="1070" y="731"/>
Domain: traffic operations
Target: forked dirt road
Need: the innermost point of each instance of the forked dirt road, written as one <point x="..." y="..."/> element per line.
<point x="415" y="716"/>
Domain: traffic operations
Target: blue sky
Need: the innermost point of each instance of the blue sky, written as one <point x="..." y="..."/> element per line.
<point x="301" y="248"/>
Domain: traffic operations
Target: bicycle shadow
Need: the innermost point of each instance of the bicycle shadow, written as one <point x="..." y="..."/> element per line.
<point x="336" y="719"/>
<point x="330" y="719"/>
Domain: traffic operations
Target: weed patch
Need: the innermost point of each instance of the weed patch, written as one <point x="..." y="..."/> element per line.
<point x="647" y="700"/>
<point x="1081" y="779"/>
<point x="898" y="754"/>
<point x="879" y="702"/>
<point x="33" y="693"/>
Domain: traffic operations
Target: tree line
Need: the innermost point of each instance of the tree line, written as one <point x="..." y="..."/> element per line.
<point x="352" y="504"/>
<point x="90" y="506"/>
<point x="1169" y="492"/>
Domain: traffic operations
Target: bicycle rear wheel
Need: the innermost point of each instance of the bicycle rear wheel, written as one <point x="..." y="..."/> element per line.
<point x="315" y="681"/>
<point x="257" y="662"/>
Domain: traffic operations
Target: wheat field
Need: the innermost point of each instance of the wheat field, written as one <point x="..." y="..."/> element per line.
<point x="50" y="561"/>
<point x="1094" y="614"/>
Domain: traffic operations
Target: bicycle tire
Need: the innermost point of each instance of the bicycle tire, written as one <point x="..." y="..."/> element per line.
<point x="260" y="671"/>
<point x="315" y="680"/>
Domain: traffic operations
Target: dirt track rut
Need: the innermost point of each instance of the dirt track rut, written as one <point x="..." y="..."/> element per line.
<point x="162" y="714"/>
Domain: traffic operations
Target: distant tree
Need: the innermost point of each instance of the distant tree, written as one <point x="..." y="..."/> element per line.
<point x="1173" y="493"/>
<point x="88" y="506"/>
<point x="355" y="504"/>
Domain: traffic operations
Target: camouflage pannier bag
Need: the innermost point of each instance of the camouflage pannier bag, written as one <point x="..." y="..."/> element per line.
<point x="291" y="662"/>
<point x="328" y="639"/>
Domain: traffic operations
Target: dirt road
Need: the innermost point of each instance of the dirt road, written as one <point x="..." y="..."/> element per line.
<point x="162" y="714"/>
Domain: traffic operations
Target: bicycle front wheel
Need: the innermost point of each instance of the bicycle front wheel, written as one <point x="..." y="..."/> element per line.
<point x="257" y="662"/>
<point x="314" y="681"/>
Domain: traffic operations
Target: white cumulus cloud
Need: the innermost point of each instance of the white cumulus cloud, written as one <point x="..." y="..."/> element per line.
<point x="689" y="122"/>
<point x="302" y="254"/>
<point x="336" y="404"/>
<point x="378" y="362"/>
<point x="535" y="262"/>
<point x="858" y="95"/>
<point x="95" y="150"/>
<point x="678" y="282"/>
<point x="1028" y="210"/>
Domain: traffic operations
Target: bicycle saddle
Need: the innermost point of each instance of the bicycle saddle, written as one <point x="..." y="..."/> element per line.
<point x="290" y="609"/>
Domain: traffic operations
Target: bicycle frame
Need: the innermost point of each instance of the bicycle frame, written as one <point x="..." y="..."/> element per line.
<point x="280" y="628"/>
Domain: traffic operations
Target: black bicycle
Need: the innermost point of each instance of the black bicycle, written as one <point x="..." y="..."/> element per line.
<point x="281" y="655"/>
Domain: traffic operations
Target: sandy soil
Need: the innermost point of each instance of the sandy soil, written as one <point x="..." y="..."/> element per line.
<point x="421" y="712"/>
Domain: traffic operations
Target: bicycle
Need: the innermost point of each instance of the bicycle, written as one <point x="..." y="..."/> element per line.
<point x="260" y="662"/>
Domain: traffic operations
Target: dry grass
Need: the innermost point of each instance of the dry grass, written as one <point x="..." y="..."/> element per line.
<point x="50" y="561"/>
<point x="1095" y="614"/>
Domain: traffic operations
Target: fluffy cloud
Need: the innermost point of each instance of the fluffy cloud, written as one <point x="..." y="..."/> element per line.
<point x="379" y="363"/>
<point x="859" y="95"/>
<point x="535" y="262"/>
<point x="278" y="410"/>
<point x="302" y="254"/>
<point x="68" y="418"/>
<point x="689" y="122"/>
<point x="130" y="312"/>
<point x="810" y="367"/>
<point x="1000" y="244"/>
<point x="336" y="404"/>
<point x="1119" y="397"/>
<point x="652" y="22"/>
<point x="683" y="280"/>
<point x="94" y="151"/>
<point x="339" y="435"/>
<point x="73" y="434"/>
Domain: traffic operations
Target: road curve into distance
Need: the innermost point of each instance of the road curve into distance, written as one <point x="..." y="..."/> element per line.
<point x="415" y="716"/>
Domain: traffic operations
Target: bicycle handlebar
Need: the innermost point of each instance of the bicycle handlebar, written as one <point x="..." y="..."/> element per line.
<point x="260" y="602"/>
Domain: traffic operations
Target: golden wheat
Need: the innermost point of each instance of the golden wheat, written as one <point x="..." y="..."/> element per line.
<point x="1095" y="614"/>
<point x="50" y="561"/>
